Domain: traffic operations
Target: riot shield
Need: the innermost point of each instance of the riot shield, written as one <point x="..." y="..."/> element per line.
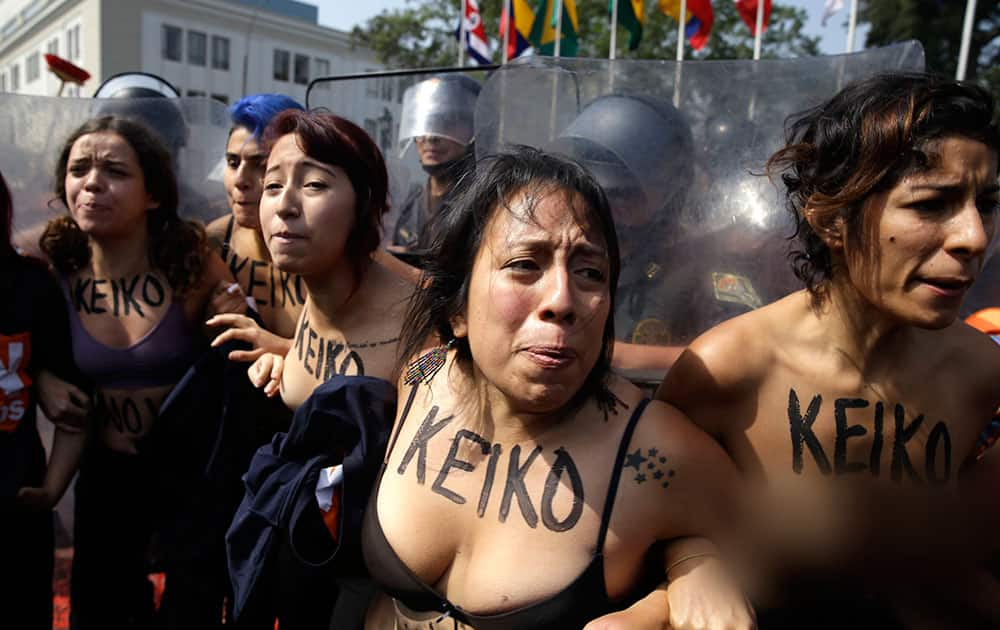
<point x="393" y="107"/>
<point x="679" y="149"/>
<point x="34" y="129"/>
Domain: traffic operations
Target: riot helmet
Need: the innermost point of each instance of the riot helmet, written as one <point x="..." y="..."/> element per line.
<point x="639" y="148"/>
<point x="439" y="108"/>
<point x="145" y="98"/>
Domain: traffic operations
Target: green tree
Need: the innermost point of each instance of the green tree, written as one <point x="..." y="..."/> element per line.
<point x="938" y="26"/>
<point x="422" y="34"/>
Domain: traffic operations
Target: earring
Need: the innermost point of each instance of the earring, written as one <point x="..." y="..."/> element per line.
<point x="427" y="365"/>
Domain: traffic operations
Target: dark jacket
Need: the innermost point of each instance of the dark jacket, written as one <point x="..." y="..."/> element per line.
<point x="346" y="421"/>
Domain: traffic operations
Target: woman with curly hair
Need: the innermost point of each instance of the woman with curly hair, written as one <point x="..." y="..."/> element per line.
<point x="856" y="403"/>
<point x="139" y="281"/>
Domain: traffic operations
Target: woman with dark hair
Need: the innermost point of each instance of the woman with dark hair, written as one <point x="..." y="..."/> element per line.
<point x="525" y="486"/>
<point x="325" y="190"/>
<point x="139" y="281"/>
<point x="856" y="403"/>
<point x="34" y="358"/>
<point x="277" y="295"/>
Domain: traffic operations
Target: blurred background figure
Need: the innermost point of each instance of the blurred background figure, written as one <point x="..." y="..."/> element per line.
<point x="437" y="118"/>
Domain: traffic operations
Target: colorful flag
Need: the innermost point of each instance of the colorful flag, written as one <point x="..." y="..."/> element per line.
<point x="543" y="28"/>
<point x="475" y="34"/>
<point x="631" y="14"/>
<point x="700" y="17"/>
<point x="523" y="18"/>
<point x="832" y="6"/>
<point x="748" y="11"/>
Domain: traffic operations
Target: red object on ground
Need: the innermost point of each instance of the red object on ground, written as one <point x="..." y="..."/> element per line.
<point x="66" y="70"/>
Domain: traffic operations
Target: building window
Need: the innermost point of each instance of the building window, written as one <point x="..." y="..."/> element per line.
<point x="321" y="68"/>
<point x="222" y="98"/>
<point x="371" y="127"/>
<point x="371" y="87"/>
<point x="220" y="52"/>
<point x="196" y="93"/>
<point x="3" y="81"/>
<point x="15" y="78"/>
<point x="53" y="47"/>
<point x="171" y="43"/>
<point x="197" y="48"/>
<point x="31" y="69"/>
<point x="73" y="43"/>
<point x="281" y="63"/>
<point x="301" y="69"/>
<point x="385" y="88"/>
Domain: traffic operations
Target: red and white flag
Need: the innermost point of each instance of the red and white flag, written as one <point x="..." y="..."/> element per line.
<point x="474" y="34"/>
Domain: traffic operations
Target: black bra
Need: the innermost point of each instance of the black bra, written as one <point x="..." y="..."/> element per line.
<point x="584" y="599"/>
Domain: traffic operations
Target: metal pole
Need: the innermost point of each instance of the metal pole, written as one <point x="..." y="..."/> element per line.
<point x="852" y="22"/>
<point x="680" y="30"/>
<point x="559" y="6"/>
<point x="506" y="32"/>
<point x="963" y="54"/>
<point x="614" y="28"/>
<point x="461" y="33"/>
<point x="759" y="33"/>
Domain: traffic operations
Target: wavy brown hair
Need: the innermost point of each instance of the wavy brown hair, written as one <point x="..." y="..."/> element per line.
<point x="177" y="247"/>
<point x="861" y="142"/>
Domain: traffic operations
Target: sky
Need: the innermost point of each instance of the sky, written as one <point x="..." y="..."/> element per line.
<point x="345" y="14"/>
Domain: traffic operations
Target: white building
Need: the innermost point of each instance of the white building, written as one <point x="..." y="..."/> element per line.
<point x="216" y="48"/>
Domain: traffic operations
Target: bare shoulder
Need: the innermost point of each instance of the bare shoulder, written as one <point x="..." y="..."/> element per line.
<point x="977" y="356"/>
<point x="213" y="271"/>
<point x="216" y="229"/>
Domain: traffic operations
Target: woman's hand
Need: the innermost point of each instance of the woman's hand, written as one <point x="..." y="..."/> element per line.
<point x="701" y="594"/>
<point x="265" y="373"/>
<point x="649" y="613"/>
<point x="65" y="405"/>
<point x="243" y="328"/>
<point x="227" y="297"/>
<point x="40" y="499"/>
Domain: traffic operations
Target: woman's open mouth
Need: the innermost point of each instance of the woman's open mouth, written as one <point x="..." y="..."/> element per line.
<point x="551" y="357"/>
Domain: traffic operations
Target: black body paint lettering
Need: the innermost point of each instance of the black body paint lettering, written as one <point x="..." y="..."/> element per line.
<point x="303" y="326"/>
<point x="900" y="458"/>
<point x="235" y="266"/>
<point x="286" y="293"/>
<point x="491" y="470"/>
<point x="801" y="430"/>
<point x="515" y="485"/>
<point x="252" y="281"/>
<point x="130" y="416"/>
<point x="151" y="281"/>
<point x="270" y="273"/>
<point x="310" y="352"/>
<point x="332" y="352"/>
<point x="452" y="461"/>
<point x="298" y="290"/>
<point x="128" y="299"/>
<point x="354" y="357"/>
<point x="844" y="432"/>
<point x="563" y="463"/>
<point x="418" y="446"/>
<point x="114" y="298"/>
<point x="875" y="459"/>
<point x="939" y="435"/>
<point x="79" y="299"/>
<point x="96" y="295"/>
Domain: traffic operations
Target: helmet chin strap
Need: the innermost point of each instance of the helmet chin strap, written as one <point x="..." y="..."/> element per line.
<point x="441" y="169"/>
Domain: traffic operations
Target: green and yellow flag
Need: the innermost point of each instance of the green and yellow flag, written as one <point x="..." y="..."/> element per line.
<point x="543" y="30"/>
<point x="631" y="14"/>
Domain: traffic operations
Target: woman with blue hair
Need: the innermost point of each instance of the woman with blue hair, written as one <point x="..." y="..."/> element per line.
<point x="277" y="295"/>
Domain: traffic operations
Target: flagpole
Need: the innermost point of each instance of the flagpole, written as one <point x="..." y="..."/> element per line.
<point x="852" y="22"/>
<point x="614" y="28"/>
<point x="559" y="11"/>
<point x="461" y="33"/>
<point x="963" y="54"/>
<point x="680" y="31"/>
<point x="759" y="32"/>
<point x="506" y="31"/>
<point x="680" y="53"/>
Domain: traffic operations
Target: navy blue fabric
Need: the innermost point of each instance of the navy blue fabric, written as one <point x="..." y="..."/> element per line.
<point x="346" y="421"/>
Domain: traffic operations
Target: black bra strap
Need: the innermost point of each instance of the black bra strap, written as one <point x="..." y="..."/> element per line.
<point x="228" y="237"/>
<point x="616" y="473"/>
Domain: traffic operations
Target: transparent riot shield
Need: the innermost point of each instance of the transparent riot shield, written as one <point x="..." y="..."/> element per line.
<point x="34" y="129"/>
<point x="393" y="107"/>
<point x="679" y="149"/>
